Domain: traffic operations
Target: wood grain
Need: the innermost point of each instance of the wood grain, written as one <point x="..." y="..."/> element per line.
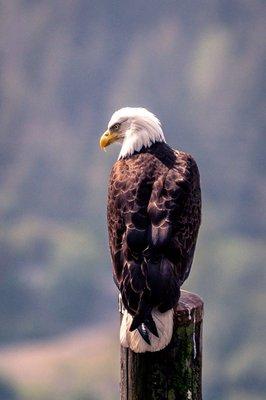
<point x="174" y="373"/>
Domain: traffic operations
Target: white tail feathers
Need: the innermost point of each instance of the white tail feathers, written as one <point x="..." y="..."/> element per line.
<point x="133" y="340"/>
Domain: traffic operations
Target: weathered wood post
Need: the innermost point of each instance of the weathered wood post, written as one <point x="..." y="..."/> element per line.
<point x="173" y="373"/>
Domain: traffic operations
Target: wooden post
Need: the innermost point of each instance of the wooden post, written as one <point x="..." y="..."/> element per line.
<point x="173" y="373"/>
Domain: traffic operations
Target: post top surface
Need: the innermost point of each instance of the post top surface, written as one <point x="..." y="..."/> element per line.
<point x="189" y="308"/>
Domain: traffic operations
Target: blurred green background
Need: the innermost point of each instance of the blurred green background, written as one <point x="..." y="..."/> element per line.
<point x="65" y="66"/>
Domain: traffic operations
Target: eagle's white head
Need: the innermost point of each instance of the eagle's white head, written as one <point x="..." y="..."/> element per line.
<point x="134" y="128"/>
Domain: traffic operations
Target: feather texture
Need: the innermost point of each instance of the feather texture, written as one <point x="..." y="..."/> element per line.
<point x="154" y="212"/>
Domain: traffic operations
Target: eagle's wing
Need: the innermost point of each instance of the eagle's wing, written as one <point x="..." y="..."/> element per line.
<point x="174" y="213"/>
<point x="152" y="232"/>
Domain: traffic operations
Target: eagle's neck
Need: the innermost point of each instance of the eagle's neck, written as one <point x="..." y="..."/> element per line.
<point x="140" y="135"/>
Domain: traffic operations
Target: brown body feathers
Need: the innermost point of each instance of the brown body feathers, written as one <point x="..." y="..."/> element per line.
<point x="154" y="211"/>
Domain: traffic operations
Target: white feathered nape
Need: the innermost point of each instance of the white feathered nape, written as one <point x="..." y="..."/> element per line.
<point x="139" y="128"/>
<point x="133" y="340"/>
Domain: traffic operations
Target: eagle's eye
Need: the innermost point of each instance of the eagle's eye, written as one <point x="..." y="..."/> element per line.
<point x="115" y="127"/>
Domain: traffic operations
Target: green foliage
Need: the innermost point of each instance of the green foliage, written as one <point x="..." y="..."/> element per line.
<point x="7" y="390"/>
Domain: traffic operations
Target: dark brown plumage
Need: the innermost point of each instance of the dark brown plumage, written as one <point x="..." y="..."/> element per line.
<point x="154" y="212"/>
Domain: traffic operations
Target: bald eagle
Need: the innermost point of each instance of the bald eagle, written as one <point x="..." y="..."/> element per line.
<point x="153" y="213"/>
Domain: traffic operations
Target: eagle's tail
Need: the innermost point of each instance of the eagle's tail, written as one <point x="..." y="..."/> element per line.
<point x="141" y="322"/>
<point x="153" y="334"/>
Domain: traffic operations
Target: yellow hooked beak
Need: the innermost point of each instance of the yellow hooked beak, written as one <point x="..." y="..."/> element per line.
<point x="107" y="139"/>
